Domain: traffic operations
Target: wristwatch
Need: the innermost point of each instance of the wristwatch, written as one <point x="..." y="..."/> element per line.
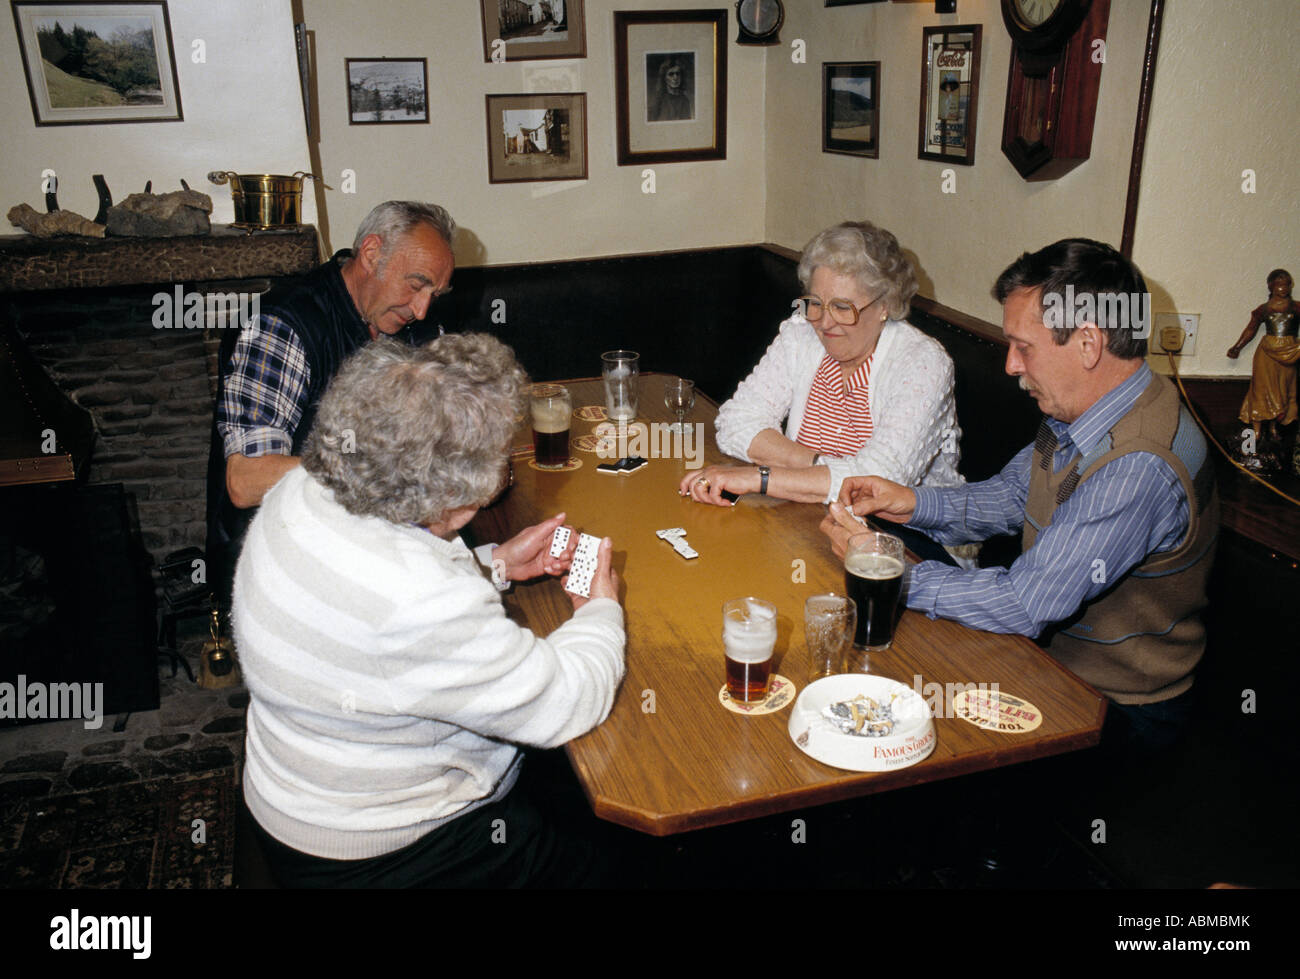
<point x="763" y="473"/>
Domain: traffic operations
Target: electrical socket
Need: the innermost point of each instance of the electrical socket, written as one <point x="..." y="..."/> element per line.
<point x="1171" y="328"/>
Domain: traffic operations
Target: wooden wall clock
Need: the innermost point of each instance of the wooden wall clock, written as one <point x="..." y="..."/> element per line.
<point x="1053" y="83"/>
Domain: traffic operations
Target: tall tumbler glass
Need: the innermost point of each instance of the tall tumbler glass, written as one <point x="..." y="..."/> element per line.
<point x="873" y="576"/>
<point x="620" y="369"/>
<point x="829" y="622"/>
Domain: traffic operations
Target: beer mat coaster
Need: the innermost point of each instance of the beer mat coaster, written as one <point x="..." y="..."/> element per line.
<point x="591" y="413"/>
<point x="996" y="710"/>
<point x="605" y="428"/>
<point x="568" y="467"/>
<point x="779" y="694"/>
<point x="519" y="451"/>
<point x="594" y="443"/>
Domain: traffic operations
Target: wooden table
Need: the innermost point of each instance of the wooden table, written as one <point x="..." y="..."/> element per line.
<point x="670" y="758"/>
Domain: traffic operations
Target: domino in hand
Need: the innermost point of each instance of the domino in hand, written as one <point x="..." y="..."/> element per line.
<point x="583" y="568"/>
<point x="560" y="541"/>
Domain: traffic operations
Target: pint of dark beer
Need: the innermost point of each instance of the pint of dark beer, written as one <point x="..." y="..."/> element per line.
<point x="552" y="412"/>
<point x="873" y="576"/>
<point x="748" y="637"/>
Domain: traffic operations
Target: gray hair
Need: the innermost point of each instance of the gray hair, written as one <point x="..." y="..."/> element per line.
<point x="392" y="220"/>
<point x="410" y="433"/>
<point x="870" y="255"/>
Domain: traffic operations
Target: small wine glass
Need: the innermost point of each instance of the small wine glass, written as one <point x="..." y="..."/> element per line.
<point x="679" y="398"/>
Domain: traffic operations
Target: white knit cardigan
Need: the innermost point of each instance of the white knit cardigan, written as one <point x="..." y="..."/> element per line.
<point x="914" y="417"/>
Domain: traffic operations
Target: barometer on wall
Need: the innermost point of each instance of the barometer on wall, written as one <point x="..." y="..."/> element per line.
<point x="759" y="21"/>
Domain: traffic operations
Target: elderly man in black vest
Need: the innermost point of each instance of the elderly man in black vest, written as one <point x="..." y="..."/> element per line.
<point x="274" y="372"/>
<point x="1115" y="498"/>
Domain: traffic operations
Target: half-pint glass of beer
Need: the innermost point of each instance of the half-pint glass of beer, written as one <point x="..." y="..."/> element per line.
<point x="873" y="575"/>
<point x="552" y="411"/>
<point x="748" y="637"/>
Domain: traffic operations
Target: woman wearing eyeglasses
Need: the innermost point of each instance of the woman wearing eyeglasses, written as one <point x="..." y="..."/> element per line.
<point x="860" y="391"/>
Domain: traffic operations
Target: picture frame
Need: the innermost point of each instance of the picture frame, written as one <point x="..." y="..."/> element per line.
<point x="537" y="137"/>
<point x="528" y="30"/>
<point x="851" y="108"/>
<point x="131" y="77"/>
<point x="670" y="77"/>
<point x="950" y="70"/>
<point x="387" y="91"/>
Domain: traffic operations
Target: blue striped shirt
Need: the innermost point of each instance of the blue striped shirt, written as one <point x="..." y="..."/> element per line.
<point x="1129" y="509"/>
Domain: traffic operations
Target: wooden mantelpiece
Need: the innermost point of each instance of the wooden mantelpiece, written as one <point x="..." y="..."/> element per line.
<point x="31" y="264"/>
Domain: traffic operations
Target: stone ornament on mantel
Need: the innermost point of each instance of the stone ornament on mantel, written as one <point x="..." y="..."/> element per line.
<point x="54" y="224"/>
<point x="180" y="212"/>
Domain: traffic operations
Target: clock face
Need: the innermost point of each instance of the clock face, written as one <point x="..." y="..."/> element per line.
<point x="1035" y="12"/>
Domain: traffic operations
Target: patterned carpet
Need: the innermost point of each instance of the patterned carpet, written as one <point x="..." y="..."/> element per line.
<point x="136" y="835"/>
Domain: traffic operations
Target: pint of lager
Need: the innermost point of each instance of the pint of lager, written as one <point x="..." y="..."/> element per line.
<point x="552" y="412"/>
<point x="873" y="575"/>
<point x="748" y="637"/>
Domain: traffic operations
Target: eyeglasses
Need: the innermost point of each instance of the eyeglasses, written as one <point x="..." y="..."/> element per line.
<point x="842" y="311"/>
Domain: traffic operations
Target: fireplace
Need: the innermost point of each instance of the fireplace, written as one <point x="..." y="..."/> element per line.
<point x="124" y="333"/>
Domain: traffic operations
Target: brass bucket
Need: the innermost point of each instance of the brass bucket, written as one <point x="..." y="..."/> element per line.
<point x="264" y="200"/>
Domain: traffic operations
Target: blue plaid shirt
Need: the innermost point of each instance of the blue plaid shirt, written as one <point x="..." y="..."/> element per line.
<point x="262" y="401"/>
<point x="1129" y="509"/>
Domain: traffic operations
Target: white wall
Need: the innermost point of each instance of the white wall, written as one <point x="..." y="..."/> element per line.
<point x="695" y="204"/>
<point x="242" y="110"/>
<point x="1224" y="101"/>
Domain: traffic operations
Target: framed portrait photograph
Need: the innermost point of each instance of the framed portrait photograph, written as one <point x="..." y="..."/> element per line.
<point x="950" y="72"/>
<point x="89" y="63"/>
<point x="851" y="108"/>
<point x="385" y="91"/>
<point x="523" y="30"/>
<point x="670" y="76"/>
<point x="537" y="137"/>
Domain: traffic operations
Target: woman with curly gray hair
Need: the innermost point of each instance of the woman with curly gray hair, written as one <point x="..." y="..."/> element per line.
<point x="388" y="687"/>
<point x="859" y="390"/>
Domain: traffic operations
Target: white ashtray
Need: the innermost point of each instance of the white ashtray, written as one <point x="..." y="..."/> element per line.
<point x="882" y="705"/>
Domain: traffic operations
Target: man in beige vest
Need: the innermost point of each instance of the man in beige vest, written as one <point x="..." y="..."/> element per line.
<point x="1115" y="498"/>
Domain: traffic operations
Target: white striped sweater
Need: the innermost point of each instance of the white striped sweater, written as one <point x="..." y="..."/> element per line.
<point x="387" y="684"/>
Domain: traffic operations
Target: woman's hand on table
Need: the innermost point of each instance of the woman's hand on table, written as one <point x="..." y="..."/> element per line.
<point x="604" y="583"/>
<point x="706" y="485"/>
<point x="528" y="554"/>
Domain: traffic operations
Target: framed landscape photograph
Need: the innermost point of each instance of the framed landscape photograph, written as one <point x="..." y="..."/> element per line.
<point x="523" y="30"/>
<point x="387" y="90"/>
<point x="950" y="74"/>
<point x="670" y="75"/>
<point x="851" y="108"/>
<point x="90" y="63"/>
<point x="537" y="137"/>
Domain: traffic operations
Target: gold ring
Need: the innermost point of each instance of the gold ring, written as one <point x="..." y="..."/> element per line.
<point x="702" y="482"/>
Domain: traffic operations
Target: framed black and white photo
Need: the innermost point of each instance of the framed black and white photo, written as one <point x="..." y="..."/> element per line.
<point x="670" y="80"/>
<point x="950" y="74"/>
<point x="387" y="90"/>
<point x="851" y="108"/>
<point x="524" y="30"/>
<point x="90" y="63"/>
<point x="537" y="137"/>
